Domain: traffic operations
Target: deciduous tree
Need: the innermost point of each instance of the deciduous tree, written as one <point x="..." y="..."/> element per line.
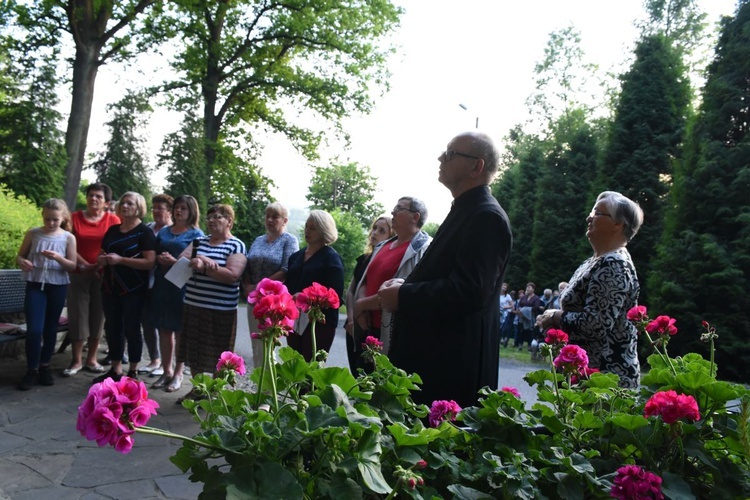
<point x="101" y="31"/>
<point x="257" y="63"/>
<point x="349" y="188"/>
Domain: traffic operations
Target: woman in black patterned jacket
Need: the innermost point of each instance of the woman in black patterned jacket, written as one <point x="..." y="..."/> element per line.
<point x="603" y="289"/>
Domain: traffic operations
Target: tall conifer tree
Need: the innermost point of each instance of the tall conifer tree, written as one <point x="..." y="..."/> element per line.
<point x="704" y="258"/>
<point x="645" y="139"/>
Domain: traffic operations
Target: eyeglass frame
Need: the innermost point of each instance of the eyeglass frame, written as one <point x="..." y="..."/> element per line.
<point x="398" y="209"/>
<point x="597" y="213"/>
<point x="449" y="154"/>
<point x="215" y="216"/>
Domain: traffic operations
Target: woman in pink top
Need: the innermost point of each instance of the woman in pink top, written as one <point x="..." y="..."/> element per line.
<point x="84" y="292"/>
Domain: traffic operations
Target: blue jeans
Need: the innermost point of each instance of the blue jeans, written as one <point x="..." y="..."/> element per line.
<point x="122" y="315"/>
<point x="42" y="309"/>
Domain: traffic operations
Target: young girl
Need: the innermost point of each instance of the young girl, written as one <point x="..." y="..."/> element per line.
<point x="46" y="256"/>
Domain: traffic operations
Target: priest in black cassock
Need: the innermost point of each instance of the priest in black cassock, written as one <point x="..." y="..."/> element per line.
<point x="446" y="326"/>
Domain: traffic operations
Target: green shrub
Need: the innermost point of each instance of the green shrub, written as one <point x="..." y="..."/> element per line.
<point x="18" y="214"/>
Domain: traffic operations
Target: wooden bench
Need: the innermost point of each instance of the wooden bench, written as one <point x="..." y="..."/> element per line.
<point x="12" y="293"/>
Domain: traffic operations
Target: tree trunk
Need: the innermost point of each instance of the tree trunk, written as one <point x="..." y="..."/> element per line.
<point x="85" y="68"/>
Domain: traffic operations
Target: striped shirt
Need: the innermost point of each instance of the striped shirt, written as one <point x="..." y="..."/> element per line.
<point x="204" y="291"/>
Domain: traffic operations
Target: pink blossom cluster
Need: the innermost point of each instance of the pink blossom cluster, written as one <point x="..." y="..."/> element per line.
<point x="511" y="390"/>
<point x="273" y="306"/>
<point x="662" y="325"/>
<point x="635" y="483"/>
<point x="555" y="336"/>
<point x="112" y="411"/>
<point x="572" y="359"/>
<point x="317" y="296"/>
<point x="442" y="410"/>
<point x="372" y="343"/>
<point x="671" y="407"/>
<point x="231" y="362"/>
<point x="638" y="313"/>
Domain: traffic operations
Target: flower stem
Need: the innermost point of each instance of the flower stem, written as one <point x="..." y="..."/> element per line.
<point x="159" y="432"/>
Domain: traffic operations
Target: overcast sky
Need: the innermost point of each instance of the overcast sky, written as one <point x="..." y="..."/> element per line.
<point x="480" y="53"/>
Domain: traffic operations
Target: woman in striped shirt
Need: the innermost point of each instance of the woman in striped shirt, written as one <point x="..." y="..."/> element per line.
<point x="209" y="321"/>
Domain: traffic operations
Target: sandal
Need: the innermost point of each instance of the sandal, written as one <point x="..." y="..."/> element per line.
<point x="161" y="382"/>
<point x="69" y="372"/>
<point x="174" y="384"/>
<point x="97" y="368"/>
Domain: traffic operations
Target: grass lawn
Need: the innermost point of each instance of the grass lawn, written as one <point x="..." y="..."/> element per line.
<point x="523" y="356"/>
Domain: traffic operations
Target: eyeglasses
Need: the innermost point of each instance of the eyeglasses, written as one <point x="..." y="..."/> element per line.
<point x="398" y="209"/>
<point x="449" y="154"/>
<point x="597" y="213"/>
<point x="215" y="217"/>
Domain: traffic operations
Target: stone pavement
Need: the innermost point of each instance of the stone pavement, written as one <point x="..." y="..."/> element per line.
<point x="42" y="455"/>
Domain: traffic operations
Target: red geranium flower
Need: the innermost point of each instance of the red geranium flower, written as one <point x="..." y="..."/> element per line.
<point x="637" y="313"/>
<point x="671" y="407"/>
<point x="555" y="336"/>
<point x="662" y="325"/>
<point x="634" y="483"/>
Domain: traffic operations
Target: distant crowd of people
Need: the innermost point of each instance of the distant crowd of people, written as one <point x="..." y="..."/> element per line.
<point x="432" y="302"/>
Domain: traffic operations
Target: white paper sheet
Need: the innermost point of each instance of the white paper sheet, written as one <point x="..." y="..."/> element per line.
<point x="180" y="273"/>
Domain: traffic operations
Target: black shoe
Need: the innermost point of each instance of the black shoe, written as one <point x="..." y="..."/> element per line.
<point x="133" y="374"/>
<point x="104" y="376"/>
<point x="45" y="377"/>
<point x="29" y="380"/>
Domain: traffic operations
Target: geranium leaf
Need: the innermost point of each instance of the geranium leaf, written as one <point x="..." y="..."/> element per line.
<point x="293" y="371"/>
<point x="673" y="486"/>
<point x="539" y="377"/>
<point x="465" y="493"/>
<point x="693" y="380"/>
<point x="629" y="422"/>
<point x="587" y="420"/>
<point x="342" y="486"/>
<point x="603" y="380"/>
<point x="264" y="481"/>
<point x="331" y="375"/>
<point x="721" y="392"/>
<point x="404" y="437"/>
<point x="368" y="462"/>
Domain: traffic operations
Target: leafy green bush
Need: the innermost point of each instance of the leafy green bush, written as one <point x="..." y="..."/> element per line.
<point x="18" y="214"/>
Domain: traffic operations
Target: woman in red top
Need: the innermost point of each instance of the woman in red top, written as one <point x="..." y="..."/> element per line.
<point x="84" y="292"/>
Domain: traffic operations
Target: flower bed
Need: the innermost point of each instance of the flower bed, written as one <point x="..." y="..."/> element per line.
<point x="312" y="431"/>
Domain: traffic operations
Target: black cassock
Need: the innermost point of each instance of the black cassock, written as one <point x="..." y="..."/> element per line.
<point x="447" y="326"/>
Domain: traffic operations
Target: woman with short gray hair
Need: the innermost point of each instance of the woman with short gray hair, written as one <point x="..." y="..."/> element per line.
<point x="595" y="303"/>
<point x="268" y="257"/>
<point x="316" y="263"/>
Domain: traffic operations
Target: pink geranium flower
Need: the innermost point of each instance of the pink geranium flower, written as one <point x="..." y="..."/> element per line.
<point x="637" y="313"/>
<point x="662" y="325"/>
<point x="671" y="407"/>
<point x="266" y="287"/>
<point x="231" y="362"/>
<point x="372" y="343"/>
<point x="276" y="310"/>
<point x="555" y="336"/>
<point x="512" y="390"/>
<point x="635" y="483"/>
<point x="572" y="359"/>
<point x="443" y="410"/>
<point x="112" y="410"/>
